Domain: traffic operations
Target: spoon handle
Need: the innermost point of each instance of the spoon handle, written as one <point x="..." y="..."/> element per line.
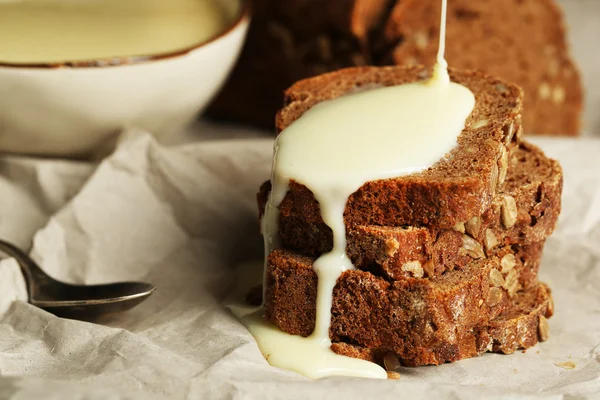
<point x="34" y="275"/>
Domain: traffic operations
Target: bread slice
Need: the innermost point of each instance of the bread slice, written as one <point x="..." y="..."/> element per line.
<point x="456" y="188"/>
<point x="522" y="325"/>
<point x="305" y="18"/>
<point x="533" y="180"/>
<point x="423" y="321"/>
<point x="292" y="40"/>
<point x="520" y="41"/>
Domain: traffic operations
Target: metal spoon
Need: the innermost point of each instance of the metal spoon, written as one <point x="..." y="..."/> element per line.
<point x="76" y="301"/>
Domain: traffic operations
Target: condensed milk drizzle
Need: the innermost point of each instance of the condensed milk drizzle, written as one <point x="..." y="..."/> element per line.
<point x="440" y="69"/>
<point x="333" y="149"/>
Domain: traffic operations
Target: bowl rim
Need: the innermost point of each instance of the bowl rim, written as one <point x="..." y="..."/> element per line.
<point x="244" y="14"/>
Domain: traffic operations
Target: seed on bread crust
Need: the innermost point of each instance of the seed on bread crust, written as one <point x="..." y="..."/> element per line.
<point x="550" y="309"/>
<point x="494" y="296"/>
<point x="490" y="241"/>
<point x="471" y="247"/>
<point x="459" y="227"/>
<point x="558" y="95"/>
<point x="391" y="246"/>
<point x="509" y="131"/>
<point x="414" y="267"/>
<point x="543" y="329"/>
<point x="496" y="278"/>
<point x="494" y="178"/>
<point x="472" y="226"/>
<point x="480" y="123"/>
<point x="503" y="166"/>
<point x="511" y="282"/>
<point x="508" y="211"/>
<point x="544" y="91"/>
<point x="508" y="262"/>
<point x="391" y="362"/>
<point x="429" y="268"/>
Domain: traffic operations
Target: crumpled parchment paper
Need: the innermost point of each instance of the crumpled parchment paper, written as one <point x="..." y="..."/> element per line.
<point x="181" y="218"/>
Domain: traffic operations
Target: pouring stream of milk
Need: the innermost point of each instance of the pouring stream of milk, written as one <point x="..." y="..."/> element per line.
<point x="333" y="149"/>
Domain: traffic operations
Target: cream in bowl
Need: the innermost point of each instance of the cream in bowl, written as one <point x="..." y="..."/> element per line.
<point x="74" y="73"/>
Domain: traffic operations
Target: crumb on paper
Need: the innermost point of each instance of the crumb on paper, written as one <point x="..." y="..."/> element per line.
<point x="537" y="352"/>
<point x="393" y="375"/>
<point x="566" y="365"/>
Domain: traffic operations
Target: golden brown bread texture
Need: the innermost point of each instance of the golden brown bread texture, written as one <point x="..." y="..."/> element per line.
<point x="519" y="40"/>
<point x="424" y="321"/>
<point x="459" y="186"/>
<point x="533" y="180"/>
<point x="536" y="57"/>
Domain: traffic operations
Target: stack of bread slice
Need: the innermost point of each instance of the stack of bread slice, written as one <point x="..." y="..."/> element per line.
<point x="447" y="259"/>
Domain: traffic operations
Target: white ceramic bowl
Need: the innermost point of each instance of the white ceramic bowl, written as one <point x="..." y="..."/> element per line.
<point x="73" y="108"/>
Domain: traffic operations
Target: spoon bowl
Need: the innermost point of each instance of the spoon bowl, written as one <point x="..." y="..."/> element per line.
<point x="76" y="301"/>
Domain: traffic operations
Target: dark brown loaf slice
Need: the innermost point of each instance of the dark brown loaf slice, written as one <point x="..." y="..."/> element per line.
<point x="533" y="180"/>
<point x="524" y="260"/>
<point x="355" y="18"/>
<point x="424" y="321"/>
<point x="459" y="186"/>
<point x="522" y="325"/>
<point x="398" y="252"/>
<point x="292" y="40"/>
<point x="522" y="41"/>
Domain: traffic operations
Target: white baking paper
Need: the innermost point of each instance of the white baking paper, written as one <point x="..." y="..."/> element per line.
<point x="181" y="218"/>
